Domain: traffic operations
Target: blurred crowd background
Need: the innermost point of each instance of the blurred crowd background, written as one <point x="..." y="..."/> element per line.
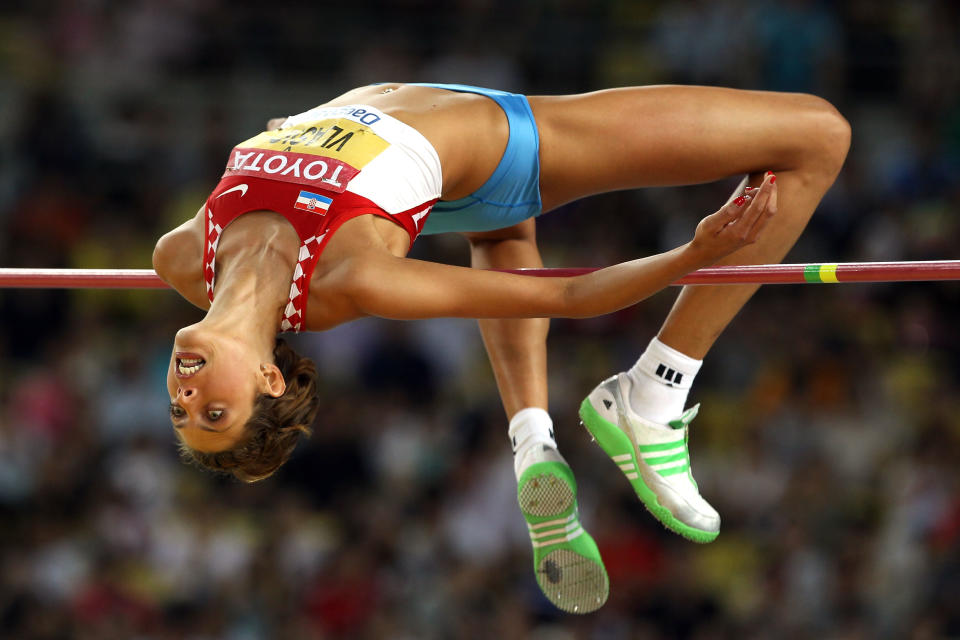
<point x="828" y="436"/>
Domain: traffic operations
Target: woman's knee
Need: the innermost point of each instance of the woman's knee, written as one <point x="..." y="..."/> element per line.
<point x="825" y="135"/>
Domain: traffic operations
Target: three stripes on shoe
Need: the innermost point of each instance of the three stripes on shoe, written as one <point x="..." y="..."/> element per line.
<point x="667" y="459"/>
<point x="544" y="534"/>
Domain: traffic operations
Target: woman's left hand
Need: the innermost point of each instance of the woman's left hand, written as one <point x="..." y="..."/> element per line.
<point x="737" y="224"/>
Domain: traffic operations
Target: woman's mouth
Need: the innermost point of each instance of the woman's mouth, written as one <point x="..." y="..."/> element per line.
<point x="188" y="364"/>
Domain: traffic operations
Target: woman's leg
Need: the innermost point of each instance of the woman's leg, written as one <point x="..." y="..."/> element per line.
<point x="517" y="348"/>
<point x="567" y="566"/>
<point x="655" y="136"/>
<point x="628" y="138"/>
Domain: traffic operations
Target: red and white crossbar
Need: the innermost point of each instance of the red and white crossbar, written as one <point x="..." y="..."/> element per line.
<point x="741" y="274"/>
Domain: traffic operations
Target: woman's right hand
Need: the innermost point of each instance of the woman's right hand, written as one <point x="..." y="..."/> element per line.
<point x="737" y="224"/>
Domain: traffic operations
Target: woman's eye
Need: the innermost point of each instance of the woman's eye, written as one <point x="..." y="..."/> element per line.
<point x="177" y="412"/>
<point x="215" y="414"/>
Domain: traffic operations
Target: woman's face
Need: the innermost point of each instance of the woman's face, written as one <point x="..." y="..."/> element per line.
<point x="213" y="381"/>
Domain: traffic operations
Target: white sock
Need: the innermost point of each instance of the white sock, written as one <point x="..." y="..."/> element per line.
<point x="661" y="381"/>
<point x="529" y="428"/>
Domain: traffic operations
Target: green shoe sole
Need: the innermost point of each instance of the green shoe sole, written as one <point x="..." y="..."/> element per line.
<point x="566" y="560"/>
<point x="616" y="444"/>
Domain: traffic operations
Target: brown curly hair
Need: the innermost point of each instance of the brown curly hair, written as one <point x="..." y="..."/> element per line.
<point x="274" y="427"/>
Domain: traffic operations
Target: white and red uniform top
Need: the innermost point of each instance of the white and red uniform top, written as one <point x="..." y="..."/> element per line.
<point x="320" y="169"/>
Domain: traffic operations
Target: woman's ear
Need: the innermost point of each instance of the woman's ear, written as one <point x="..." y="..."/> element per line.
<point x="274" y="384"/>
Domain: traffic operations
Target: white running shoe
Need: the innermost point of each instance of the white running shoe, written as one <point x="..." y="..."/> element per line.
<point x="654" y="458"/>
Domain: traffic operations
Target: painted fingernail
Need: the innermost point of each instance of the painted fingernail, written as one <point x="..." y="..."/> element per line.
<point x="739" y="201"/>
<point x="773" y="179"/>
<point x="749" y="189"/>
<point x="769" y="173"/>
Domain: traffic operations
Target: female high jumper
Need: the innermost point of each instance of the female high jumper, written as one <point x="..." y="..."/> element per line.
<point x="336" y="196"/>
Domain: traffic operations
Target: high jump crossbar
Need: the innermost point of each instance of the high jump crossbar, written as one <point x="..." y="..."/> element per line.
<point x="918" y="271"/>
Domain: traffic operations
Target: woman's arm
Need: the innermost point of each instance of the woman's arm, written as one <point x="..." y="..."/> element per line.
<point x="178" y="260"/>
<point x="402" y="288"/>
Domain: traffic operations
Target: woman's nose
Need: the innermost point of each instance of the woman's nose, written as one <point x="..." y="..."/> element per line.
<point x="186" y="394"/>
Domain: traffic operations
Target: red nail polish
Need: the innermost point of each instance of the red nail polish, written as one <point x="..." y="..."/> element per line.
<point x="739" y="201"/>
<point x="749" y="189"/>
<point x="773" y="179"/>
<point x="769" y="173"/>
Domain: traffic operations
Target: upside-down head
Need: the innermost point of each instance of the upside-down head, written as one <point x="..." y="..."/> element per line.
<point x="232" y="412"/>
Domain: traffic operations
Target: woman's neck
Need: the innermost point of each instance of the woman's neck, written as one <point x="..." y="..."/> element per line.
<point x="254" y="266"/>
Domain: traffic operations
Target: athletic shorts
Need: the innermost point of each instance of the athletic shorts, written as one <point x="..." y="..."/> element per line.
<point x="512" y="194"/>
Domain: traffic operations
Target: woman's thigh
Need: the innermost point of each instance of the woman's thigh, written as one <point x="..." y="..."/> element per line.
<point x="669" y="135"/>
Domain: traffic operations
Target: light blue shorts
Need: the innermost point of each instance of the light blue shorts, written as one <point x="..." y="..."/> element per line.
<point x="512" y="194"/>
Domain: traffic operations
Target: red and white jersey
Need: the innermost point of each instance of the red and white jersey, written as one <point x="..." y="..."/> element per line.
<point x="320" y="169"/>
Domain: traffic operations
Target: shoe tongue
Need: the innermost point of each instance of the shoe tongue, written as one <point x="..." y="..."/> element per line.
<point x="686" y="418"/>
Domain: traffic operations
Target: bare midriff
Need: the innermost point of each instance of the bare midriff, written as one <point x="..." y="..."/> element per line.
<point x="468" y="131"/>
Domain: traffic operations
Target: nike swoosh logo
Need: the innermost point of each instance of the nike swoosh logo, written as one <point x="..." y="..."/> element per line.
<point x="419" y="216"/>
<point x="242" y="188"/>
